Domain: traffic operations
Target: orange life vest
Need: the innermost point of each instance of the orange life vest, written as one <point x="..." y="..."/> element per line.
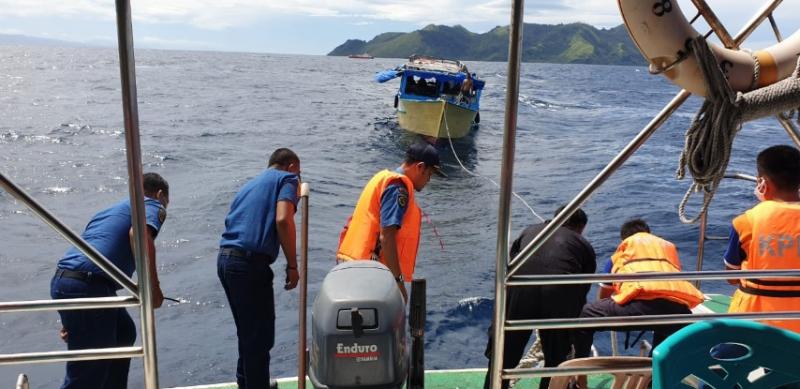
<point x="361" y="239"/>
<point x="769" y="234"/>
<point x="646" y="253"/>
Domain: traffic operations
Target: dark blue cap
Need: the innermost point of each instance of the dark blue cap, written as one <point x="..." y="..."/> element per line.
<point x="425" y="153"/>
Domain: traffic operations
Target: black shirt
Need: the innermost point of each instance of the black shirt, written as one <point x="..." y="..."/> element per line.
<point x="566" y="252"/>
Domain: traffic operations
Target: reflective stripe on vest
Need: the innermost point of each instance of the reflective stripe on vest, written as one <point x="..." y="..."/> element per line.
<point x="647" y="253"/>
<point x="362" y="236"/>
<point x="769" y="234"/>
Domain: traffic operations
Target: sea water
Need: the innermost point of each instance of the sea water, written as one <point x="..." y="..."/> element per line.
<point x="210" y="120"/>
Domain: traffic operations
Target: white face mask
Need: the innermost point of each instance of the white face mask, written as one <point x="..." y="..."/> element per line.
<point x="761" y="189"/>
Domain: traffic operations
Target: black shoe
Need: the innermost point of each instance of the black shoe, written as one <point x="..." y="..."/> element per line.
<point x="273" y="384"/>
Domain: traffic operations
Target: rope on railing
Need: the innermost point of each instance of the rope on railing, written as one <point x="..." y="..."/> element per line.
<point x="709" y="139"/>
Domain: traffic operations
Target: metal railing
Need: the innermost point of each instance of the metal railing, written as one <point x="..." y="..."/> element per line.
<point x="141" y="292"/>
<point x="506" y="270"/>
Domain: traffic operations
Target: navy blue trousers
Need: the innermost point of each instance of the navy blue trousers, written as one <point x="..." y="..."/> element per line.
<point x="607" y="307"/>
<point x="538" y="302"/>
<point x="94" y="328"/>
<point x="248" y="286"/>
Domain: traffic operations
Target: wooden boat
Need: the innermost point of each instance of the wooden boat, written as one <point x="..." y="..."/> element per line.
<point x="432" y="99"/>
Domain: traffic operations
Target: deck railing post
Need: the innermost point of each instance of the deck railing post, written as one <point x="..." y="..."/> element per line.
<point x="701" y="244"/>
<point x="301" y="349"/>
<point x="506" y="186"/>
<point x="712" y="20"/>
<point x="127" y="68"/>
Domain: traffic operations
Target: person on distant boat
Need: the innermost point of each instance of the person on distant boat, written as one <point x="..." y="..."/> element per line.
<point x="767" y="237"/>
<point x="261" y="218"/>
<point x="110" y="232"/>
<point x="385" y="226"/>
<point x="640" y="252"/>
<point x="566" y="252"/>
<point x="411" y="85"/>
<point x="465" y="95"/>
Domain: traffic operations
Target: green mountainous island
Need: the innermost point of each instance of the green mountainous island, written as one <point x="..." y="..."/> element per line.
<point x="561" y="43"/>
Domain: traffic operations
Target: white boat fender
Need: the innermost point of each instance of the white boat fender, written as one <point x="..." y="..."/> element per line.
<point x="661" y="32"/>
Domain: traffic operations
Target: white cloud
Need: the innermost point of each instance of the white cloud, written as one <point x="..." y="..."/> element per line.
<point x="155" y="42"/>
<point x="218" y="15"/>
<point x="11" y="31"/>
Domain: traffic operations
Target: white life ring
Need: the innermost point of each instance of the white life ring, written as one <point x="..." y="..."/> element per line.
<point x="661" y="32"/>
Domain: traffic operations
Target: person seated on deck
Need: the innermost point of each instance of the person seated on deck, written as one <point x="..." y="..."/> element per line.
<point x="767" y="237"/>
<point x="640" y="252"/>
<point x="566" y="252"/>
<point x="430" y="88"/>
<point x="411" y="85"/>
<point x="450" y="88"/>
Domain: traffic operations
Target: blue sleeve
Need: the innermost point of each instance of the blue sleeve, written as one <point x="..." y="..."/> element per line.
<point x="607" y="267"/>
<point x="606" y="270"/>
<point x="288" y="191"/>
<point x="394" y="201"/>
<point x="734" y="255"/>
<point x="155" y="215"/>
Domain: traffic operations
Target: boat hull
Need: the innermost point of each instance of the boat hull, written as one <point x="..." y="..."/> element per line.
<point x="435" y="118"/>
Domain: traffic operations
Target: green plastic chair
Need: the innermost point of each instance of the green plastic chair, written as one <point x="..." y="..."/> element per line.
<point x="725" y="354"/>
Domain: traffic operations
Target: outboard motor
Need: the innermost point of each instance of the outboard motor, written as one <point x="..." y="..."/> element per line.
<point x="358" y="329"/>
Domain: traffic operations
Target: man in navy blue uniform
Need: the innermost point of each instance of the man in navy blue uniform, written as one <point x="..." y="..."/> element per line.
<point x="261" y="219"/>
<point x="110" y="232"/>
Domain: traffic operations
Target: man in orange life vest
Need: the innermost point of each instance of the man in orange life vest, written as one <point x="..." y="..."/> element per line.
<point x="767" y="237"/>
<point x="386" y="223"/>
<point x="640" y="252"/>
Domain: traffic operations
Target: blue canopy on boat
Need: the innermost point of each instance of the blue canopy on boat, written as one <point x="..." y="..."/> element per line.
<point x="458" y="78"/>
<point x="387" y="75"/>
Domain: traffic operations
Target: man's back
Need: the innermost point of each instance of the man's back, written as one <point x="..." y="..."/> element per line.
<point x="250" y="223"/>
<point x="107" y="232"/>
<point x="566" y="252"/>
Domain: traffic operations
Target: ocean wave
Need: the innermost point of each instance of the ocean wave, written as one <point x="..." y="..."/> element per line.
<point x="544" y="104"/>
<point x="13" y="136"/>
<point x="469" y="312"/>
<point x="206" y="134"/>
<point x="58" y="189"/>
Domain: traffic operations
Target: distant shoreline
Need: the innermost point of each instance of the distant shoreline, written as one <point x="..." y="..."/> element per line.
<point x="560" y="43"/>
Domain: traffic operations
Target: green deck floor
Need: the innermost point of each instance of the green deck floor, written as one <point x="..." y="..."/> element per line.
<point x="473" y="378"/>
<point x="443" y="379"/>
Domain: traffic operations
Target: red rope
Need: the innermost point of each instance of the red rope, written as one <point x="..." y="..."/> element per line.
<point x="428" y="220"/>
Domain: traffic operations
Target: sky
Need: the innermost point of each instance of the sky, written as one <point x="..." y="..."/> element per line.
<point x="318" y="26"/>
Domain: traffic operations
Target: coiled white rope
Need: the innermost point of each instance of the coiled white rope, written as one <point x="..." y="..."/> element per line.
<point x="709" y="139"/>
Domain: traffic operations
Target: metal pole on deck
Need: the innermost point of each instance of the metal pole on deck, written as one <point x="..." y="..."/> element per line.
<point x="701" y="244"/>
<point x="506" y="186"/>
<point x="127" y="68"/>
<point x="301" y="349"/>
